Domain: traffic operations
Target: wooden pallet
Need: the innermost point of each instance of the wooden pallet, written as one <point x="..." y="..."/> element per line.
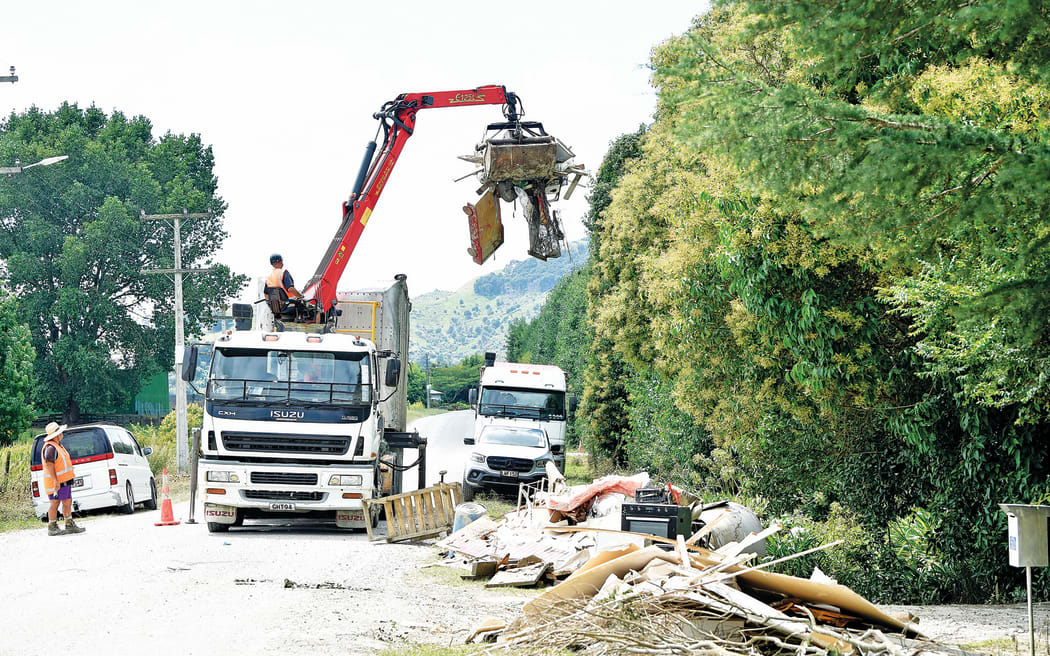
<point x="416" y="515"/>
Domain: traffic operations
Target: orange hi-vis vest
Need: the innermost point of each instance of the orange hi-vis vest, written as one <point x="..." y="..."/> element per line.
<point x="63" y="468"/>
<point x="276" y="279"/>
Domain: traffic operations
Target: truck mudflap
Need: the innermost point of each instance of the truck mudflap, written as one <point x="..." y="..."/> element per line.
<point x="350" y="518"/>
<point x="218" y="514"/>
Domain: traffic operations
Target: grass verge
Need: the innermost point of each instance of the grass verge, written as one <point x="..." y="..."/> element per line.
<point x="417" y="411"/>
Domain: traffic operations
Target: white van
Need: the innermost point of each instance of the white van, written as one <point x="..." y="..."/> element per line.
<point x="109" y="467"/>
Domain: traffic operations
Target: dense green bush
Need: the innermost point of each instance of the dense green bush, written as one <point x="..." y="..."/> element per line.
<point x="162" y="438"/>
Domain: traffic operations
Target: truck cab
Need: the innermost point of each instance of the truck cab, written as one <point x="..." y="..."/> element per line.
<point x="522" y="396"/>
<point x="296" y="423"/>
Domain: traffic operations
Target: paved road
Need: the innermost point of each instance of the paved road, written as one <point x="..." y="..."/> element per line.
<point x="128" y="587"/>
<point x="445" y="448"/>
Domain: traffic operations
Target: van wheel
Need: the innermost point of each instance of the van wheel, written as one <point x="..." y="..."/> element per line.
<point x="152" y="503"/>
<point x="129" y="507"/>
<point x="216" y="527"/>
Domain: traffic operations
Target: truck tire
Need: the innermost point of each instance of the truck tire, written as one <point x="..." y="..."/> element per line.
<point x="468" y="491"/>
<point x="216" y="527"/>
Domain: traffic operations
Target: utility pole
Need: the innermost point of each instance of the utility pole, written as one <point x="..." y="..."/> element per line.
<point x="181" y="448"/>
<point x="428" y="381"/>
<point x="12" y="78"/>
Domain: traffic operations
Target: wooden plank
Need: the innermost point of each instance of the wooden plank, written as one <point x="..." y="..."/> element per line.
<point x="399" y="512"/>
<point x="368" y="517"/>
<point x="446" y="507"/>
<point x="440" y="516"/>
<point x="388" y="511"/>
<point x="428" y="511"/>
<point x="410" y="520"/>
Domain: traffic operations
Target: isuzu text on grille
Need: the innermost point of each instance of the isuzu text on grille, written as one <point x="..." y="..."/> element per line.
<point x="287" y="414"/>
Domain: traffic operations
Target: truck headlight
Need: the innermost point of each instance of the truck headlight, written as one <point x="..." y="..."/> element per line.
<point x="478" y="457"/>
<point x="541" y="465"/>
<point x="222" y="477"/>
<point x="345" y="479"/>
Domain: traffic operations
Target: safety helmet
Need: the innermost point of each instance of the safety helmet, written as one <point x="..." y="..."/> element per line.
<point x="275" y="258"/>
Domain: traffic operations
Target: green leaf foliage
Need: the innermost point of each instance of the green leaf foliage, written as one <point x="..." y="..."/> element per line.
<point x="16" y="372"/>
<point x="75" y="246"/>
<point x="824" y="263"/>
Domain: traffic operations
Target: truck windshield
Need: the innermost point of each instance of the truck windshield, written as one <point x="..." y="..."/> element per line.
<point x="515" y="402"/>
<point x="310" y="377"/>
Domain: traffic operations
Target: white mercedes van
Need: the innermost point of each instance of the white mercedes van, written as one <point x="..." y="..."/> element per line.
<point x="109" y="468"/>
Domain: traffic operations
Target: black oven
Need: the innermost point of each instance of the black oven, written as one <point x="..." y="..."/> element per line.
<point x="662" y="520"/>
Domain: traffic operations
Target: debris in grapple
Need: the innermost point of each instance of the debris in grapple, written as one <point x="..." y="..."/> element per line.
<point x="521" y="163"/>
<point x="486" y="228"/>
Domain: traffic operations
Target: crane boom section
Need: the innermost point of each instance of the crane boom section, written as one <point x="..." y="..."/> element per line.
<point x="398" y="120"/>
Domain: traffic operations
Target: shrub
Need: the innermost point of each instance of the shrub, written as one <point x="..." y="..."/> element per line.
<point x="162" y="438"/>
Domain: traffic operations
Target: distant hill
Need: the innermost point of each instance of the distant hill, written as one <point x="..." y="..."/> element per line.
<point x="474" y="318"/>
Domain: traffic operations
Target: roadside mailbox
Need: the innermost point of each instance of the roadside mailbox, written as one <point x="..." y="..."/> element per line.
<point x="1028" y="535"/>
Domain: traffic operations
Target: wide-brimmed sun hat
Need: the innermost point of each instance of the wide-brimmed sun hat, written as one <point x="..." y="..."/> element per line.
<point x="54" y="430"/>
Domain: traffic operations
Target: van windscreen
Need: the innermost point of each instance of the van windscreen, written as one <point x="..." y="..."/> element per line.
<point x="80" y="444"/>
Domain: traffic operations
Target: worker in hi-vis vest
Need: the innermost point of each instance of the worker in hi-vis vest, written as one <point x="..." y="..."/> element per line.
<point x="280" y="279"/>
<point x="58" y="480"/>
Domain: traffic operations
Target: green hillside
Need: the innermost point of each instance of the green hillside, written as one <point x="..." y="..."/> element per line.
<point x="474" y="318"/>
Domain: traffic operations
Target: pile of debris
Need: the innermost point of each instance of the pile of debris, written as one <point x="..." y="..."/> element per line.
<point x="624" y="592"/>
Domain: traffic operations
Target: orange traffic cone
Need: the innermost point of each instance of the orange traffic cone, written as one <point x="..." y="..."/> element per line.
<point x="167" y="517"/>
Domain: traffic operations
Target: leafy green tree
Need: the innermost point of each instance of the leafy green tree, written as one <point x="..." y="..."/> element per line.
<point x="558" y="335"/>
<point x="417" y="383"/>
<point x="604" y="411"/>
<point x="16" y="372"/>
<point x="455" y="381"/>
<point x="834" y="256"/>
<point x="75" y="247"/>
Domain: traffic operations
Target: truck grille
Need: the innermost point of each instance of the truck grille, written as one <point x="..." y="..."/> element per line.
<point x="283" y="478"/>
<point x="329" y="445"/>
<point x="510" y="464"/>
<point x="274" y="495"/>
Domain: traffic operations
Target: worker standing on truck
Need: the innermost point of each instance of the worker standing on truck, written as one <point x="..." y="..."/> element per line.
<point x="58" y="480"/>
<point x="281" y="279"/>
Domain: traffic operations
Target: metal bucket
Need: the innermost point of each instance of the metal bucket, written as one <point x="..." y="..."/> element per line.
<point x="526" y="160"/>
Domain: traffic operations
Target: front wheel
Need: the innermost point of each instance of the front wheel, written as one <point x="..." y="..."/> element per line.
<point x="468" y="491"/>
<point x="216" y="527"/>
<point x="129" y="507"/>
<point x="152" y="503"/>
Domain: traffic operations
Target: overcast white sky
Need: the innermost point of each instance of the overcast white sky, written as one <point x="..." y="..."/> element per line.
<point x="284" y="92"/>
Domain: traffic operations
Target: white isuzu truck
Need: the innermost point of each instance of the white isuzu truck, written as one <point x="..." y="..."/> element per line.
<point x="300" y="423"/>
<point x="517" y="399"/>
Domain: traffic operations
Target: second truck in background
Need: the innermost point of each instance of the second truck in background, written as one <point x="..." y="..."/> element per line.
<point x="517" y="397"/>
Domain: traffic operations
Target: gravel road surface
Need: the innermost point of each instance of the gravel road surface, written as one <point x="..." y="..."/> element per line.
<point x="129" y="587"/>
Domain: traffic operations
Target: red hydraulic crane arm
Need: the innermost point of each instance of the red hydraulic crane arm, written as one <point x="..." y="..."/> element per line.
<point x="397" y="121"/>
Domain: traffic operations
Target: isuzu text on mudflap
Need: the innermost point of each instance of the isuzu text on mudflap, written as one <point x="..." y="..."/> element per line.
<point x="295" y="422"/>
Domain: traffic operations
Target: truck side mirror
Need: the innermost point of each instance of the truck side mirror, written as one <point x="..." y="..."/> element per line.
<point x="189" y="363"/>
<point x="555" y="449"/>
<point x="393" y="372"/>
<point x="468" y="440"/>
<point x="573" y="403"/>
<point x="472" y="396"/>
